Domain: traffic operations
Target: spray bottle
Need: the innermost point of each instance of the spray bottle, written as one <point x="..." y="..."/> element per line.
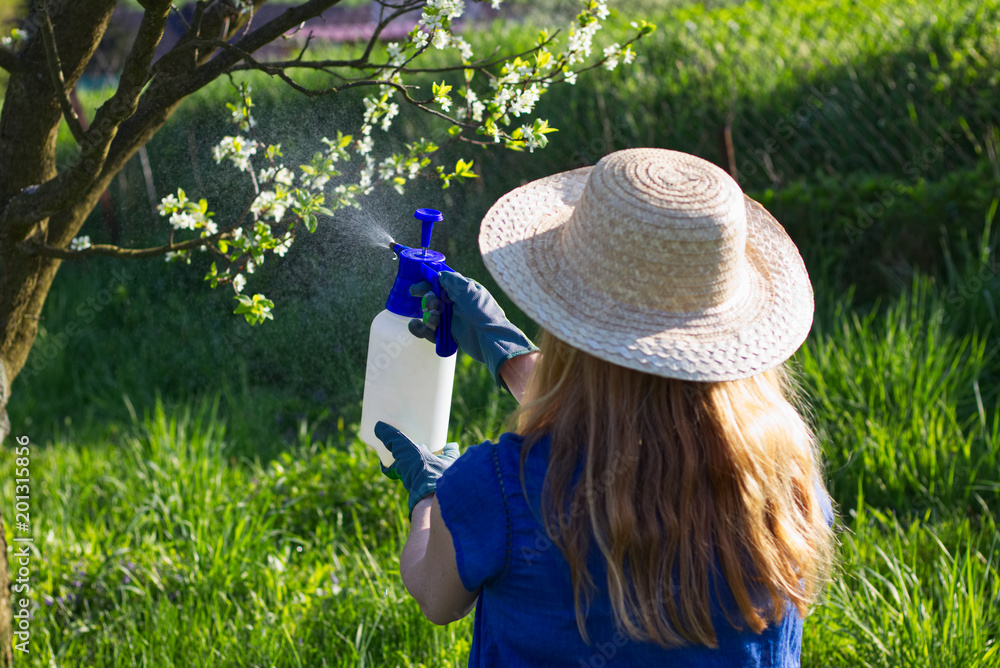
<point x="408" y="381"/>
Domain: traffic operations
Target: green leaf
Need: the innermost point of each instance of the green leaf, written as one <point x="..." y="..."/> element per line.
<point x="441" y="90"/>
<point x="255" y="310"/>
<point x="212" y="276"/>
<point x="541" y="127"/>
<point x="464" y="170"/>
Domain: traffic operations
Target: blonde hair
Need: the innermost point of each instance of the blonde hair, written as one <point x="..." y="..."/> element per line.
<point x="674" y="474"/>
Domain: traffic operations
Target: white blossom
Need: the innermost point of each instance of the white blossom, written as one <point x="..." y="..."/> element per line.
<point x="612" y="54"/>
<point x="241" y="120"/>
<point x="367" y="174"/>
<point x="476" y="104"/>
<point x="524" y="101"/>
<point x="238" y="282"/>
<point x="182" y="220"/>
<point x="365" y="145"/>
<point x="396" y="55"/>
<point x="237" y="149"/>
<point x="167" y="204"/>
<point x="502" y="98"/>
<point x="80" y="243"/>
<point x="269" y="204"/>
<point x="441" y="39"/>
<point x="392" y="109"/>
<point x="283" y="246"/>
<point x="316" y="182"/>
<point x="581" y="41"/>
<point x="464" y="47"/>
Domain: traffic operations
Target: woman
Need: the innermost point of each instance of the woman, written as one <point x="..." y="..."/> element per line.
<point x="659" y="501"/>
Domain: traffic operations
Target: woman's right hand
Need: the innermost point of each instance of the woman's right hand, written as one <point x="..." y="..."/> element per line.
<point x="478" y="324"/>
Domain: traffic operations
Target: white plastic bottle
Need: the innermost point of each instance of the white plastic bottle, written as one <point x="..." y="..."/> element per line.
<point x="408" y="380"/>
<point x="406" y="385"/>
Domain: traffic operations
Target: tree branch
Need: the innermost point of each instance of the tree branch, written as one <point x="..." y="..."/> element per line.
<point x="173" y="80"/>
<point x="58" y="82"/>
<point x="404" y="8"/>
<point x="482" y="64"/>
<point x="39" y="202"/>
<point x="38" y="248"/>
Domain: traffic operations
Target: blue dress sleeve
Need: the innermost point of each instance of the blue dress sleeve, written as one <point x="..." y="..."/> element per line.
<point x="471" y="496"/>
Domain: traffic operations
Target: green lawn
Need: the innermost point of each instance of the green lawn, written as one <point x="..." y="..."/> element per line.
<point x="162" y="544"/>
<point x="210" y="500"/>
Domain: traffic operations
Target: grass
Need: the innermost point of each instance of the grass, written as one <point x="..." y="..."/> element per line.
<point x="910" y="593"/>
<point x="194" y="554"/>
<point x="166" y="541"/>
<point x="197" y="489"/>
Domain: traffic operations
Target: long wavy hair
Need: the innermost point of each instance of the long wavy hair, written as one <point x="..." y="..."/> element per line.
<point x="674" y="474"/>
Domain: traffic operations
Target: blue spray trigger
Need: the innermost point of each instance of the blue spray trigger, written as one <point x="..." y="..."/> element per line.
<point x="444" y="343"/>
<point x="423" y="264"/>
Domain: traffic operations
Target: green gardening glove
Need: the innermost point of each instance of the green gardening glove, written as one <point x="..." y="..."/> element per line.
<point x="414" y="464"/>
<point x="478" y="324"/>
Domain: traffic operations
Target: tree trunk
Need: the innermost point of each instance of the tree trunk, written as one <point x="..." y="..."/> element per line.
<point x="28" y="130"/>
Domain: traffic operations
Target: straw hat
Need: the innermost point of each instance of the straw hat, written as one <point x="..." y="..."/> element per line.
<point x="653" y="260"/>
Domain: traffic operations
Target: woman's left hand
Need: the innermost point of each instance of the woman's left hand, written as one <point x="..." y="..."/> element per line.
<point x="414" y="464"/>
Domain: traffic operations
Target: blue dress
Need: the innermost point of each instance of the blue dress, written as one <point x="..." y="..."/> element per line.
<point x="525" y="612"/>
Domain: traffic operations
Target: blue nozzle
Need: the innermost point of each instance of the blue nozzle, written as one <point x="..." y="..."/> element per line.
<point x="428" y="217"/>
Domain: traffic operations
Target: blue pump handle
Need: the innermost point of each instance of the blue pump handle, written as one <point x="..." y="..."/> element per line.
<point x="444" y="343"/>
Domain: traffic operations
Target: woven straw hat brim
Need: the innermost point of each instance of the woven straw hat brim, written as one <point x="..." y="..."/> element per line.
<point x="757" y="329"/>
